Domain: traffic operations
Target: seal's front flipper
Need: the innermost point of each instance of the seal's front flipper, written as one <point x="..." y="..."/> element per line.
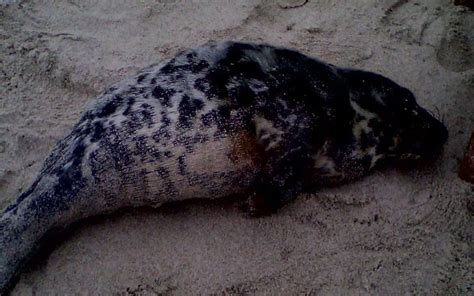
<point x="286" y="162"/>
<point x="281" y="182"/>
<point x="258" y="205"/>
<point x="266" y="200"/>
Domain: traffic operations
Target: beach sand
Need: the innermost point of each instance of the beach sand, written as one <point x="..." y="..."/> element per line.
<point x="394" y="232"/>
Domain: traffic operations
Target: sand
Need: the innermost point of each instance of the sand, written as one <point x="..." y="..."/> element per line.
<point x="394" y="232"/>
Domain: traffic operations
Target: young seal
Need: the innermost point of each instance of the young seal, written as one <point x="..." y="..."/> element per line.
<point x="222" y="119"/>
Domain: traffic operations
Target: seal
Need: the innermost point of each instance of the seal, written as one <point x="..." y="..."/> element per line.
<point x="218" y="120"/>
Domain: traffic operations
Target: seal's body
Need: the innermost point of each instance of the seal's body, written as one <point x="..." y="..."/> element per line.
<point x="222" y="119"/>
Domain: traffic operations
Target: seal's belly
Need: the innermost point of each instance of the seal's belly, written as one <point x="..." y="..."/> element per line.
<point x="215" y="168"/>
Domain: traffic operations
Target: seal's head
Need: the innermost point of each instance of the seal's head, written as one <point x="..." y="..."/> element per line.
<point x="388" y="118"/>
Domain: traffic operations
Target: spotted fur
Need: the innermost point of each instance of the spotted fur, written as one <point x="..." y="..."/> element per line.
<point x="222" y="119"/>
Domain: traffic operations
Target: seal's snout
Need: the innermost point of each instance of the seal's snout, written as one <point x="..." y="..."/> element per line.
<point x="426" y="137"/>
<point x="438" y="134"/>
<point x="434" y="133"/>
<point x="435" y="138"/>
<point x="422" y="136"/>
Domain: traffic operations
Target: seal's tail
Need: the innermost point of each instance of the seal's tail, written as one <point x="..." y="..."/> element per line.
<point x="57" y="198"/>
<point x="22" y="225"/>
<point x="83" y="176"/>
<point x="54" y="200"/>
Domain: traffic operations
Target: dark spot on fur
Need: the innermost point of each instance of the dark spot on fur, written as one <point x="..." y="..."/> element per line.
<point x="202" y="85"/>
<point x="89" y="115"/>
<point x="366" y="161"/>
<point x="22" y="196"/>
<point x="144" y="150"/>
<point x="209" y="118"/>
<point x="190" y="56"/>
<point x="164" y="95"/>
<point x="110" y="107"/>
<point x="367" y="140"/>
<point x="119" y="150"/>
<point x="98" y="131"/>
<point x="218" y="117"/>
<point x="165" y="120"/>
<point x="196" y="68"/>
<point x="200" y="138"/>
<point x="110" y="90"/>
<point x="162" y="134"/>
<point x="185" y="141"/>
<point x="241" y="95"/>
<point x="169" y="186"/>
<point x="223" y="112"/>
<point x="130" y="102"/>
<point x="134" y="122"/>
<point x="163" y="172"/>
<point x="70" y="173"/>
<point x="141" y="146"/>
<point x="169" y="68"/>
<point x="147" y="113"/>
<point x="187" y="110"/>
<point x="217" y="80"/>
<point x="192" y="66"/>
<point x="78" y="152"/>
<point x="141" y="77"/>
<point x="182" y="165"/>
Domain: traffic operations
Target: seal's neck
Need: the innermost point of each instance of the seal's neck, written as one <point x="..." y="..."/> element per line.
<point x="367" y="137"/>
